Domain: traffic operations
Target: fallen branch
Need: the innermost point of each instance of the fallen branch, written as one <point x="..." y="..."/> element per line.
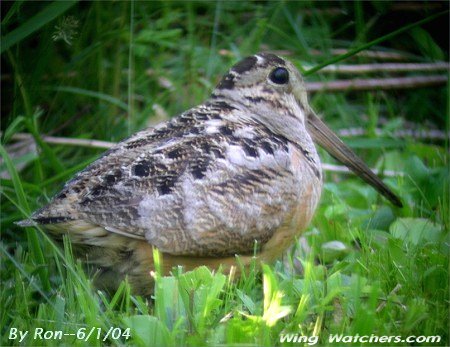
<point x="66" y="141"/>
<point x="377" y="83"/>
<point x="393" y="292"/>
<point x="387" y="67"/>
<point x="107" y="145"/>
<point x="419" y="6"/>
<point x="382" y="55"/>
<point x="418" y="134"/>
<point x="414" y="133"/>
<point x="346" y="170"/>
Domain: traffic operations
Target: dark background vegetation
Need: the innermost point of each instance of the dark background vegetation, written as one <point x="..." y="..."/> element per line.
<point x="103" y="70"/>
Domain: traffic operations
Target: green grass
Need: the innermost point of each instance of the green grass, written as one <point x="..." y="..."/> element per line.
<point x="370" y="268"/>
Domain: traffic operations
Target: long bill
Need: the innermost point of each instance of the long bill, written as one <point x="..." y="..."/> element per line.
<point x="323" y="135"/>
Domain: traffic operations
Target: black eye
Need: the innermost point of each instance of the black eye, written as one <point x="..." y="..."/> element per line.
<point x="279" y="75"/>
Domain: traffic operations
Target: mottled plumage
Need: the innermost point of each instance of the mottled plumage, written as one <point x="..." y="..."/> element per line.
<point x="239" y="168"/>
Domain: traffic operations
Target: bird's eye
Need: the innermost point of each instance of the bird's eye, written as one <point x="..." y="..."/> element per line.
<point x="279" y="75"/>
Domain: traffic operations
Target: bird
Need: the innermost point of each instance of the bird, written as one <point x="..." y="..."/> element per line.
<point x="238" y="174"/>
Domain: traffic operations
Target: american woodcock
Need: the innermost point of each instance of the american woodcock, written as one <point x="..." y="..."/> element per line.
<point x="238" y="169"/>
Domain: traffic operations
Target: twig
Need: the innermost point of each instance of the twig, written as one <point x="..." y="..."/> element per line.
<point x="345" y="169"/>
<point x="67" y="141"/>
<point x="411" y="6"/>
<point x="393" y="292"/>
<point x="432" y="134"/>
<point x="382" y="55"/>
<point x="107" y="145"/>
<point x="377" y="83"/>
<point x="386" y="67"/>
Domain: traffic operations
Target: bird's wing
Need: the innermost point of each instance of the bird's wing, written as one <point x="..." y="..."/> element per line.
<point x="198" y="185"/>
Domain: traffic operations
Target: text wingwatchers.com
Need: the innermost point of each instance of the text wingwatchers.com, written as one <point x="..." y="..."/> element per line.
<point x="335" y="338"/>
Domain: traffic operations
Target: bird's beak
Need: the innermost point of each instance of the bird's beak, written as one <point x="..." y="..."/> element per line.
<point x="323" y="135"/>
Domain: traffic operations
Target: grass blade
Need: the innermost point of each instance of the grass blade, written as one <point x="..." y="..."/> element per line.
<point x="24" y="273"/>
<point x="32" y="126"/>
<point x="33" y="239"/>
<point x="374" y="42"/>
<point x="35" y="23"/>
<point x="12" y="12"/>
<point x="90" y="93"/>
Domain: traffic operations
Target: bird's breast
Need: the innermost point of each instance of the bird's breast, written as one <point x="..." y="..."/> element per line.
<point x="306" y="169"/>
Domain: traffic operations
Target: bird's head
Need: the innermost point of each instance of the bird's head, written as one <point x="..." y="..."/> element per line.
<point x="272" y="90"/>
